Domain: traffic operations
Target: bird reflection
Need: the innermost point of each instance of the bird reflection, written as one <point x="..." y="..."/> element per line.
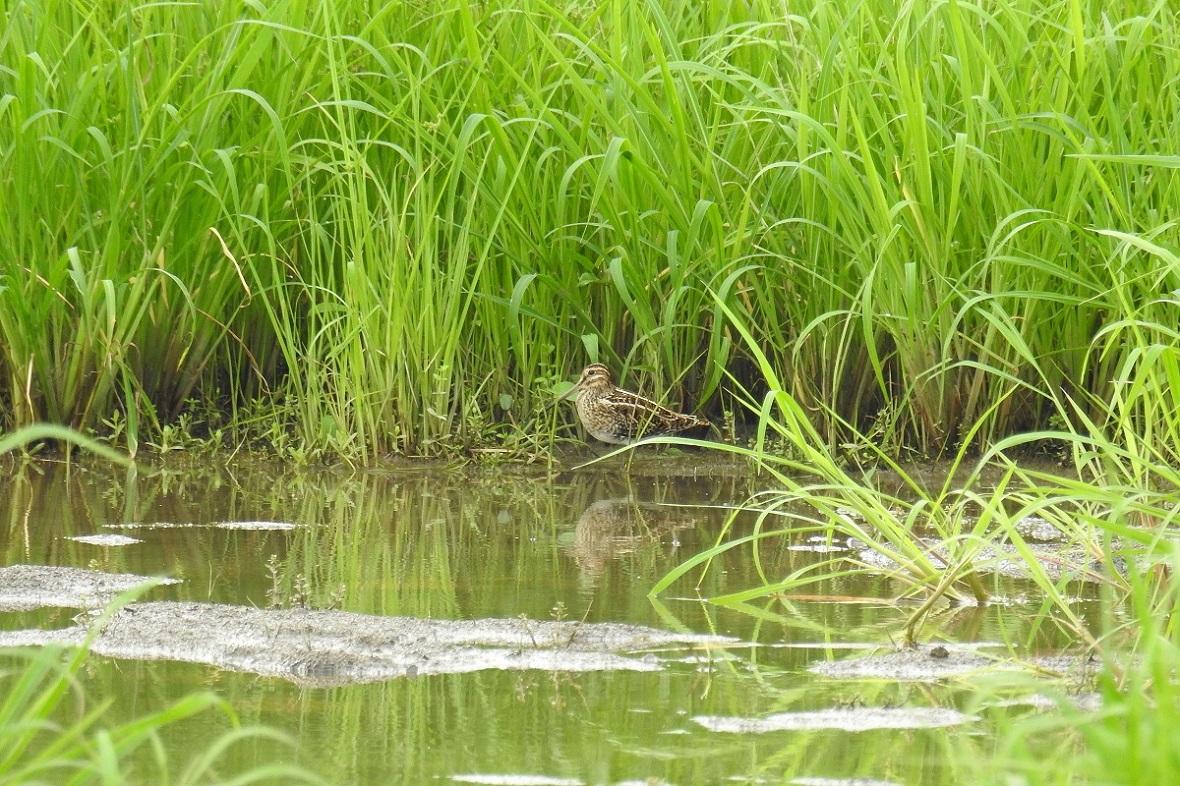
<point x="610" y="528"/>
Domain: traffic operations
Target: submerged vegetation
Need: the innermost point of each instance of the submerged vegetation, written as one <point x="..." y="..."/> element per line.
<point x="357" y="228"/>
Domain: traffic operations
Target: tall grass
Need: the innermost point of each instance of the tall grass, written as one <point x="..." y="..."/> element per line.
<point x="1111" y="502"/>
<point x="397" y="225"/>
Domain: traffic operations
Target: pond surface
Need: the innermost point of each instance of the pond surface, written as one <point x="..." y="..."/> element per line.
<point x="525" y="547"/>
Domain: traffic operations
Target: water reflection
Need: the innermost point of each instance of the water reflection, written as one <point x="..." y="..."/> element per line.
<point x="543" y="544"/>
<point x="610" y="528"/>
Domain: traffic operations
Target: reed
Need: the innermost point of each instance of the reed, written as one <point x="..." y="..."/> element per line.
<point x="392" y="227"/>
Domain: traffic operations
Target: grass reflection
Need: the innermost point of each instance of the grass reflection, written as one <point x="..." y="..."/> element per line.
<point x="476" y="544"/>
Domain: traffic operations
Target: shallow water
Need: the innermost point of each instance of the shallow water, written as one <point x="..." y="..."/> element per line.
<point x="525" y="545"/>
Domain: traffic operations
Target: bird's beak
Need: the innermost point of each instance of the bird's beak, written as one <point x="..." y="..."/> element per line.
<point x="571" y="390"/>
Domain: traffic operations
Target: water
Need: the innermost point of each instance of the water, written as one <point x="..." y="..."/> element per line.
<point x="506" y="543"/>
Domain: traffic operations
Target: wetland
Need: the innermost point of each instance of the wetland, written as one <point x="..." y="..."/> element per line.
<point x="494" y="625"/>
<point x="383" y="237"/>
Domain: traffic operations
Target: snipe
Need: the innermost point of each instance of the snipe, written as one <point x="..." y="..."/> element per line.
<point x="619" y="416"/>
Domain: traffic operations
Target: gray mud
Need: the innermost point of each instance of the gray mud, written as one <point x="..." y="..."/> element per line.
<point x="841" y="718"/>
<point x="26" y="587"/>
<point x="943" y="662"/>
<point x="329" y="648"/>
<point x="1058" y="561"/>
<point x="105" y="540"/>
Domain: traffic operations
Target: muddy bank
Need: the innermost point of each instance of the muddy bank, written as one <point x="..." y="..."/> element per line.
<point x="841" y="718"/>
<point x="328" y="648"/>
<point x="27" y="587"/>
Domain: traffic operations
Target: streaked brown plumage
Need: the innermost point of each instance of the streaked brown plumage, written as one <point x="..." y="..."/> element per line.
<point x="610" y="528"/>
<point x="619" y="416"/>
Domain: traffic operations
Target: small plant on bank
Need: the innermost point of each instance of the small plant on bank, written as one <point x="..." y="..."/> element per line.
<point x="300" y="594"/>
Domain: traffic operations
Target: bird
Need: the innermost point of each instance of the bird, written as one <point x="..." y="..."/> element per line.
<point x="620" y="417"/>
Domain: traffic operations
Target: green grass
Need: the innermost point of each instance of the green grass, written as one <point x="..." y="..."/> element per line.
<point x="1113" y="498"/>
<point x="51" y="731"/>
<point x="349" y="229"/>
<point x="356" y="228"/>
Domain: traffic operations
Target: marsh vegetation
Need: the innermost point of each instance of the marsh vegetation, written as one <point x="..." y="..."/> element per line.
<point x="854" y="233"/>
<point x="354" y="229"/>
